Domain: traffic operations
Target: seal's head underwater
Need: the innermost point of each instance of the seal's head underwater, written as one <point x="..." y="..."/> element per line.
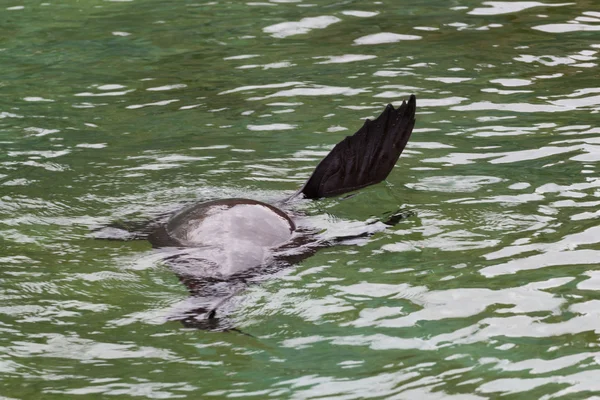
<point x="217" y="247"/>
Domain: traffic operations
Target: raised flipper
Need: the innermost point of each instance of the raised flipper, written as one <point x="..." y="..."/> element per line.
<point x="365" y="158"/>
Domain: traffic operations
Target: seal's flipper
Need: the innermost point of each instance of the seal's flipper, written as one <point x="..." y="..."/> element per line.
<point x="130" y="230"/>
<point x="365" y="158"/>
<point x="400" y="215"/>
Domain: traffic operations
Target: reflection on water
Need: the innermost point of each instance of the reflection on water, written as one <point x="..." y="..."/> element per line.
<point x="125" y="110"/>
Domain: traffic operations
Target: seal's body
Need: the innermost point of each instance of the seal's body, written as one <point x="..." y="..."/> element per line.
<point x="216" y="247"/>
<point x="232" y="235"/>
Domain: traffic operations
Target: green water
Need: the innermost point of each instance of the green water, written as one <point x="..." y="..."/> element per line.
<point x="122" y="109"/>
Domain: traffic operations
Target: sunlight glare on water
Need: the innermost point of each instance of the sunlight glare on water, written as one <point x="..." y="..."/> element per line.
<point x="119" y="111"/>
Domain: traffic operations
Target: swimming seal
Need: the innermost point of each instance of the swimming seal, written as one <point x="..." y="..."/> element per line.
<point x="218" y="247"/>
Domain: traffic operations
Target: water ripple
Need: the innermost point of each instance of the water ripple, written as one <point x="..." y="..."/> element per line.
<point x="505" y="7"/>
<point x="303" y="26"/>
<point x="488" y="287"/>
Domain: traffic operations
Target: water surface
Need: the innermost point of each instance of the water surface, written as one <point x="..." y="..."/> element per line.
<point x="118" y="110"/>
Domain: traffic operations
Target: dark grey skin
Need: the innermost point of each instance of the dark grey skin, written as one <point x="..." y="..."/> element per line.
<point x="218" y="247"/>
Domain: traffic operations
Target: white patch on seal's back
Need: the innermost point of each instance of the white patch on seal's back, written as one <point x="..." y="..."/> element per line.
<point x="239" y="237"/>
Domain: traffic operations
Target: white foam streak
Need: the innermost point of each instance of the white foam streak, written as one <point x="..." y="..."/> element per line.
<point x="301" y="27"/>
<point x="507" y="7"/>
<point x="384" y="37"/>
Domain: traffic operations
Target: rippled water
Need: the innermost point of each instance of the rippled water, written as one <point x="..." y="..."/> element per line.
<point x="119" y="110"/>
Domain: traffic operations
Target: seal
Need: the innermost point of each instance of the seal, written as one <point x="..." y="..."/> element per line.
<point x="218" y="247"/>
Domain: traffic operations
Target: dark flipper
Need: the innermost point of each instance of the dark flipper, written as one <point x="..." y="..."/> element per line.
<point x="365" y="158"/>
<point x="400" y="215"/>
<point x="132" y="230"/>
